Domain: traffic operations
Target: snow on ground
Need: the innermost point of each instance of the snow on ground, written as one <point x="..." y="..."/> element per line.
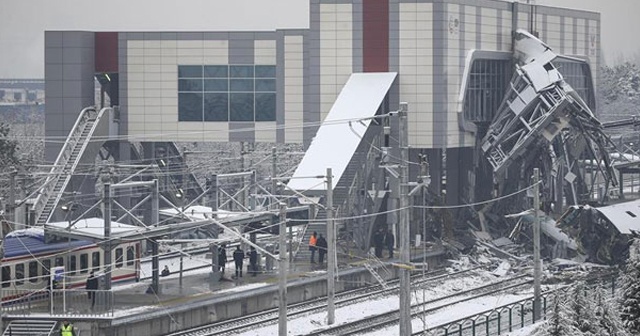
<point x="374" y="306"/>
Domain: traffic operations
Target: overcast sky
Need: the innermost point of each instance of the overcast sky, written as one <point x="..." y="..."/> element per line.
<point x="22" y="23"/>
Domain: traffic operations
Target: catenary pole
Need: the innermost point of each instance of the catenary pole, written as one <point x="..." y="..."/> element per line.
<point x="537" y="267"/>
<point x="331" y="252"/>
<point x="282" y="290"/>
<point x="404" y="232"/>
<point x="107" y="236"/>
<point x="155" y="219"/>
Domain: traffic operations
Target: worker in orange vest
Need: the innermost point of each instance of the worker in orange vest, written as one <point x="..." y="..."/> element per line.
<point x="312" y="246"/>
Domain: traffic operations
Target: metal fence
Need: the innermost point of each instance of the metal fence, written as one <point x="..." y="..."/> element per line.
<point x="59" y="302"/>
<point x="511" y="317"/>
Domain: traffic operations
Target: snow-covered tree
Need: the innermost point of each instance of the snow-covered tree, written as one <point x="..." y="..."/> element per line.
<point x="631" y="294"/>
<point x="608" y="315"/>
<point x="582" y="309"/>
<point x="560" y="323"/>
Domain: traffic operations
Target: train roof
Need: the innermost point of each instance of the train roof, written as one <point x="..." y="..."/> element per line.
<point x="32" y="242"/>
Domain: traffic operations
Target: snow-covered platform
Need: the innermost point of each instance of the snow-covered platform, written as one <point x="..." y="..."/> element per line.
<point x="197" y="300"/>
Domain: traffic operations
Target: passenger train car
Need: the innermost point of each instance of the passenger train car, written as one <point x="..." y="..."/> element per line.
<point x="29" y="257"/>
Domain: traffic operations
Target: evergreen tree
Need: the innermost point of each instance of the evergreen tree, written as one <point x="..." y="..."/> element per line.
<point x="582" y="309"/>
<point x="631" y="295"/>
<point x="607" y="314"/>
<point x="560" y="322"/>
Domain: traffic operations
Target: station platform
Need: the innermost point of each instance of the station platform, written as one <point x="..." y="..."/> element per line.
<point x="194" y="300"/>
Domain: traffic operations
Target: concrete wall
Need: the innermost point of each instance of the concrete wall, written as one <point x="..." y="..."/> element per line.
<point x="69" y="84"/>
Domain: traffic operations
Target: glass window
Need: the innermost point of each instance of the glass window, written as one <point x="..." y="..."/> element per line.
<point x="216" y="107"/>
<point x="241" y="71"/>
<point x="241" y="107"/>
<point x="95" y="261"/>
<point x="190" y="106"/>
<point x="222" y="93"/>
<point x="33" y="271"/>
<point x="578" y="76"/>
<point x="190" y="71"/>
<point x="19" y="274"/>
<point x="241" y="85"/>
<point x="6" y="276"/>
<point x="216" y="71"/>
<point x="59" y="261"/>
<point x="119" y="260"/>
<point x="46" y="266"/>
<point x="216" y="85"/>
<point x="265" y="106"/>
<point x="263" y="71"/>
<point x="486" y="87"/>
<point x="130" y="256"/>
<point x="72" y="264"/>
<point x="84" y="263"/>
<point x="266" y="85"/>
<point x="190" y="85"/>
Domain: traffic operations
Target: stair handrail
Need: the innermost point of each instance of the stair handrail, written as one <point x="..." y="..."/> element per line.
<point x="191" y="175"/>
<point x="83" y="147"/>
<point x="44" y="194"/>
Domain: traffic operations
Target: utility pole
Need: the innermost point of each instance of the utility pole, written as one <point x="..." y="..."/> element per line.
<point x="107" y="236"/>
<point x="537" y="267"/>
<point x="11" y="207"/>
<point x="282" y="264"/>
<point x="331" y="251"/>
<point x="274" y="181"/>
<point x="213" y="203"/>
<point x="155" y="219"/>
<point x="404" y="231"/>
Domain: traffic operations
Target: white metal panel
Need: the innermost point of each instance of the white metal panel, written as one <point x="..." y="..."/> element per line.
<point x="624" y="216"/>
<point x="94" y="227"/>
<point x="336" y="141"/>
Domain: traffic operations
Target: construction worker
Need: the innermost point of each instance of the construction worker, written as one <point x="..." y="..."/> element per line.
<point x="67" y="329"/>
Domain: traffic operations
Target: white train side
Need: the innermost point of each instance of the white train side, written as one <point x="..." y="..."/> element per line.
<point x="28" y="259"/>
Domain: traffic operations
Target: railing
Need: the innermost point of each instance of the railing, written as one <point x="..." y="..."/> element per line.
<point x="507" y="318"/>
<point x="64" y="154"/>
<point x="63" y="302"/>
<point x="60" y="167"/>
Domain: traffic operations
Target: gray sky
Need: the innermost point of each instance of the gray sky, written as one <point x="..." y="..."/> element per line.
<point x="22" y="23"/>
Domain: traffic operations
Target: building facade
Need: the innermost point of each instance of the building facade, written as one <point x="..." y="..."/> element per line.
<point x="453" y="59"/>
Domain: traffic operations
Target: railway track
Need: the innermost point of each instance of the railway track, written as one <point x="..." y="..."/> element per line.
<point x="270" y="317"/>
<point x="379" y="321"/>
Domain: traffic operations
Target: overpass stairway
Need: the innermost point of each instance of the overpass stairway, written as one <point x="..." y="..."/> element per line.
<point x="70" y="155"/>
<point x="30" y="328"/>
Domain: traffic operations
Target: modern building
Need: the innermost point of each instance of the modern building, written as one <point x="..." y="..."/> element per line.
<point x="453" y="60"/>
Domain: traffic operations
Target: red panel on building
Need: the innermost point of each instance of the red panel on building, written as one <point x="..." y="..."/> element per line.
<point x="106" y="52"/>
<point x="375" y="35"/>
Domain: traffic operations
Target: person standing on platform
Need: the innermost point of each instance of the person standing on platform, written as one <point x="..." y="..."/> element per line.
<point x="91" y="286"/>
<point x="378" y="242"/>
<point x="222" y="259"/>
<point x="238" y="258"/>
<point x="321" y="244"/>
<point x="390" y="242"/>
<point x="313" y="240"/>
<point x="253" y="261"/>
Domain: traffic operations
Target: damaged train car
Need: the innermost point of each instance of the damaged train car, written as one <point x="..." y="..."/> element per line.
<point x="603" y="234"/>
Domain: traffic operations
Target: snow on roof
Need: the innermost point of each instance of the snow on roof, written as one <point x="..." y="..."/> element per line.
<point x="336" y="140"/>
<point x="624" y="216"/>
<point x="94" y="227"/>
